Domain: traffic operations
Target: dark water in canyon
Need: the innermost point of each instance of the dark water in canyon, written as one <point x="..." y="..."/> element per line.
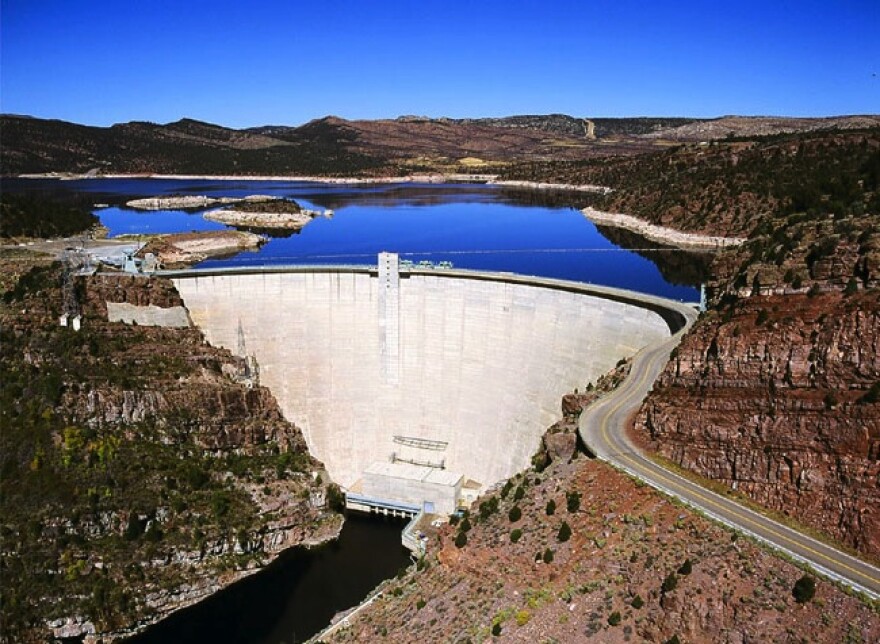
<point x="297" y="595"/>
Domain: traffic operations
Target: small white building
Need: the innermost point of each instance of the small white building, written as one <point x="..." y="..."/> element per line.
<point x="434" y="490"/>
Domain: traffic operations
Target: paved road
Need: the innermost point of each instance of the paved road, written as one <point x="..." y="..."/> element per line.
<point x="602" y="428"/>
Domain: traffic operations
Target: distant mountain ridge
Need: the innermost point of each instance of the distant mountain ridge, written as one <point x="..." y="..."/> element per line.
<point x="336" y="146"/>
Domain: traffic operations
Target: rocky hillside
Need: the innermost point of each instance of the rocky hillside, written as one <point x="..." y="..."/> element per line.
<point x="140" y="472"/>
<point x="756" y="126"/>
<point x="31" y="215"/>
<point x="183" y="147"/>
<point x="801" y="253"/>
<point x="775" y="390"/>
<point x="411" y="144"/>
<point x="779" y="397"/>
<point x="327" y="146"/>
<point x="335" y="146"/>
<point x="729" y="188"/>
<point x="579" y="552"/>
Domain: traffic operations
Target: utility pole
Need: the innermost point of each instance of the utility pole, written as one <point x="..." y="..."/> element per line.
<point x="73" y="262"/>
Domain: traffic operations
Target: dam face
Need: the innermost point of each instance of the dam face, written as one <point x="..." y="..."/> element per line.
<point x="424" y="369"/>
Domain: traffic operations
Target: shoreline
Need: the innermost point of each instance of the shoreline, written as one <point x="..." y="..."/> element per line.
<point x="421" y="178"/>
<point x="541" y="185"/>
<point x="661" y="234"/>
<point x="652" y="232"/>
<point x="486" y="179"/>
<point x="212" y="585"/>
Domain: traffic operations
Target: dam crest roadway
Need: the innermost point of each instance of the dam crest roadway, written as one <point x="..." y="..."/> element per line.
<point x="420" y="388"/>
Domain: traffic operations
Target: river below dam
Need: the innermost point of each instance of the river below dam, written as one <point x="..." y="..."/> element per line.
<point x="296" y="596"/>
<point x="470" y="225"/>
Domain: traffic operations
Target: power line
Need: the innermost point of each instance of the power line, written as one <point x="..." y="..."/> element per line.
<point x="471" y="252"/>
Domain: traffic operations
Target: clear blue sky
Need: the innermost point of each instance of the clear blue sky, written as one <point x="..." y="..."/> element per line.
<point x="243" y="63"/>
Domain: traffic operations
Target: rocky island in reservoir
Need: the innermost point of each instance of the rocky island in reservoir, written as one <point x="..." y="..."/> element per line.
<point x="253" y="212"/>
<point x="268" y="213"/>
<point x="183" y="202"/>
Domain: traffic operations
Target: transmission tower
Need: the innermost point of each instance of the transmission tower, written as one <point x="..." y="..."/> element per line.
<point x="73" y="262"/>
<point x="250" y="373"/>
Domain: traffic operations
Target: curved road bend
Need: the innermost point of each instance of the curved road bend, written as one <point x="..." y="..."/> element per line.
<point x="603" y="429"/>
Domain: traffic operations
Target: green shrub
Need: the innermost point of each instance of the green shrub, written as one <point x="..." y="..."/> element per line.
<point x="134" y="528"/>
<point x="670" y="583"/>
<point x="335" y="498"/>
<point x="573" y="501"/>
<point x="421" y="604"/>
<point x="872" y="395"/>
<point x="515" y="514"/>
<point x="830" y="400"/>
<point x="465" y="525"/>
<point x="154" y="533"/>
<point x="548" y="556"/>
<point x="496" y="629"/>
<point x="488" y="507"/>
<point x="461" y="540"/>
<point x="551" y="507"/>
<point x="508" y="486"/>
<point x="637" y="602"/>
<point x="686" y="567"/>
<point x="540" y="461"/>
<point x="515" y="535"/>
<point x="564" y="533"/>
<point x="519" y="493"/>
<point x="614" y="618"/>
<point x="804" y="589"/>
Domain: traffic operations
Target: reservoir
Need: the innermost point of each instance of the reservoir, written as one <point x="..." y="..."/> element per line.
<point x="472" y="226"/>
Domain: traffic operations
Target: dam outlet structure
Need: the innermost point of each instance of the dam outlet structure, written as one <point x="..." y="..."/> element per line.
<point x="420" y="388"/>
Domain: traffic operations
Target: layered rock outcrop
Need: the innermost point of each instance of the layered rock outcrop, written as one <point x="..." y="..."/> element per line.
<point x="772" y="396"/>
<point x="142" y="469"/>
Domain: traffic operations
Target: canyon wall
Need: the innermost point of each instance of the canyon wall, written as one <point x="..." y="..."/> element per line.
<point x="773" y="396"/>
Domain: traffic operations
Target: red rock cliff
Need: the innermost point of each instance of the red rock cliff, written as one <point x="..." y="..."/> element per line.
<point x="771" y="396"/>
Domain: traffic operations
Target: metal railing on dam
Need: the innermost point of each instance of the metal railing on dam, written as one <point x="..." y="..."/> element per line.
<point x="479" y="361"/>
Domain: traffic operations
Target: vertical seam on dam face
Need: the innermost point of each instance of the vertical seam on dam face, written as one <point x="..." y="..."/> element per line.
<point x="373" y="367"/>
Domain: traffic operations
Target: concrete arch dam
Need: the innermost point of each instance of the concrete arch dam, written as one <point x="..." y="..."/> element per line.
<point x="455" y="372"/>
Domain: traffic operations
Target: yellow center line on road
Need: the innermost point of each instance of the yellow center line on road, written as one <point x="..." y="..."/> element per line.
<point x="711" y="502"/>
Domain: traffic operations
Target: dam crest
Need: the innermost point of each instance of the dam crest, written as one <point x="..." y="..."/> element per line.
<point x="421" y="388"/>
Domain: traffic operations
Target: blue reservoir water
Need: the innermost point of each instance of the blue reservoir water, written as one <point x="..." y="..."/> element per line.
<point x="472" y="225"/>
